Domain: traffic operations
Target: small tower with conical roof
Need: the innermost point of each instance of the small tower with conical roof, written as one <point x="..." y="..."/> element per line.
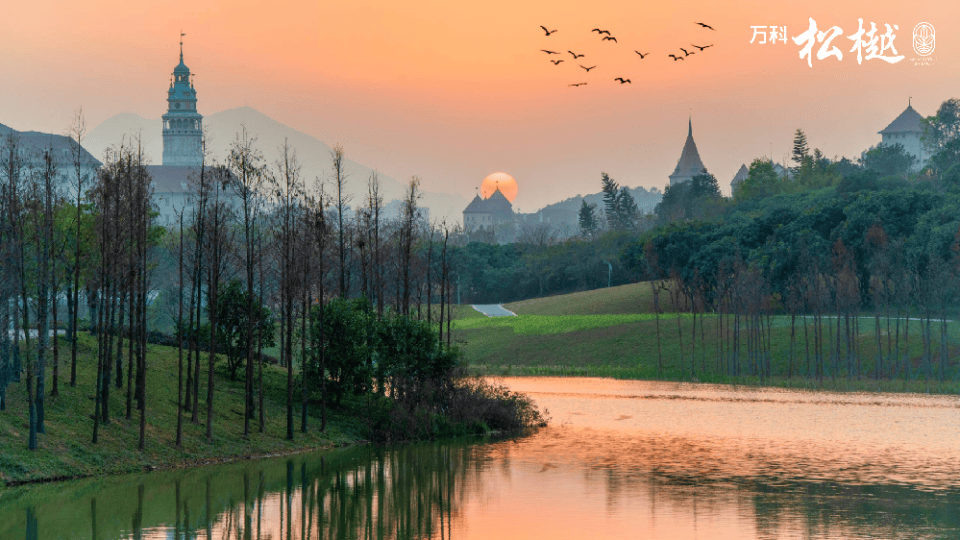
<point x="689" y="164"/>
<point x="182" y="124"/>
<point x="906" y="130"/>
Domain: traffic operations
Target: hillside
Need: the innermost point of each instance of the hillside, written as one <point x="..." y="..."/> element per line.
<point x="646" y="200"/>
<point x="624" y="299"/>
<point x="65" y="449"/>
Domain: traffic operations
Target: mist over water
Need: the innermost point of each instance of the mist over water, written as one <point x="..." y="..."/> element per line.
<point x="621" y="459"/>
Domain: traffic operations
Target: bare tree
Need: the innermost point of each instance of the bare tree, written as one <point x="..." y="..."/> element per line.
<point x="246" y="166"/>
<point x="179" y="332"/>
<point x="217" y="246"/>
<point x="77" y="132"/>
<point x="374" y="209"/>
<point x="317" y="213"/>
<point x="407" y="233"/>
<point x="341" y="202"/>
<point x="289" y="188"/>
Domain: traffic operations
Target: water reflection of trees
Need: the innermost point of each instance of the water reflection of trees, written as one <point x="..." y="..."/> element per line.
<point x="412" y="491"/>
<point x="422" y="491"/>
<point x="781" y="509"/>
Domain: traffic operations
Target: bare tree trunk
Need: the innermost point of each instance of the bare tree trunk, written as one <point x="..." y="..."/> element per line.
<point x="76" y="137"/>
<point x="179" y="334"/>
<point x="262" y="423"/>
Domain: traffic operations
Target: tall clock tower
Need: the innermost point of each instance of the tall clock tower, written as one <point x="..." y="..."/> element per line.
<point x="182" y="124"/>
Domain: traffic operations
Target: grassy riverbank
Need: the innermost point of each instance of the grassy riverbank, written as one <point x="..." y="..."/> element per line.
<point x="65" y="449"/>
<point x="613" y="333"/>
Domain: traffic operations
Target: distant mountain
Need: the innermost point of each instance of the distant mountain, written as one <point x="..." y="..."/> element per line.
<point x="646" y="200"/>
<point x="313" y="154"/>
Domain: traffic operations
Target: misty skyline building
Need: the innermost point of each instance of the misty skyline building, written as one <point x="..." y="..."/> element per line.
<point x="182" y="124"/>
<point x="689" y="164"/>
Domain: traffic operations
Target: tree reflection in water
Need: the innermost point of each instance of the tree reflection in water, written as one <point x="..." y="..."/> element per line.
<point x="459" y="489"/>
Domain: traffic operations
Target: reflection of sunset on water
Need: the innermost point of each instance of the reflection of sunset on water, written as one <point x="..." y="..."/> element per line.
<point x="621" y="459"/>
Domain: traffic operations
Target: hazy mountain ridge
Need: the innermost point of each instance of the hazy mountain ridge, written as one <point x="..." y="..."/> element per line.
<point x="313" y="154"/>
<point x="647" y="200"/>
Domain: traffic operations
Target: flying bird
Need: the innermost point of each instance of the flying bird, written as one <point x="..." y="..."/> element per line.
<point x="599" y="31"/>
<point x="575" y="55"/>
<point x="622" y="80"/>
<point x="706" y="26"/>
<point x="547" y="31"/>
<point x="556" y="62"/>
<point x="675" y="57"/>
<point x="577" y="84"/>
<point x="642" y="55"/>
<point x="587" y="68"/>
<point x="704" y="47"/>
<point x="549" y="52"/>
<point x="610" y="38"/>
<point x="685" y="53"/>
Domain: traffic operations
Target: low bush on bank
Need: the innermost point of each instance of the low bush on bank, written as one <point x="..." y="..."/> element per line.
<point x="463" y="405"/>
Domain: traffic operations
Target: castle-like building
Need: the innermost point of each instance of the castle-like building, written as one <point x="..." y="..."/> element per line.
<point x="492" y="216"/>
<point x="182" y="124"/>
<point x="182" y="146"/>
<point x="906" y="130"/>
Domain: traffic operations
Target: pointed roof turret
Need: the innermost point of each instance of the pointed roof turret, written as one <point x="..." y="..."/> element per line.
<point x="689" y="164"/>
<point x="181" y="67"/>
<point x="742" y="174"/>
<point x="498" y="204"/>
<point x="475" y="206"/>
<point x="908" y="121"/>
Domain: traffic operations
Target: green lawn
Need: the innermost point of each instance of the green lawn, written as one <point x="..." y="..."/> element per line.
<point x="65" y="449"/>
<point x="570" y="335"/>
<point x="624" y="299"/>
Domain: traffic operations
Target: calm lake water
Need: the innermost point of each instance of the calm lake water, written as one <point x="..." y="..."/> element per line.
<point x="621" y="459"/>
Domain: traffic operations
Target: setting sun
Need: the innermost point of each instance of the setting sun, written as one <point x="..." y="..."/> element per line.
<point x="499" y="180"/>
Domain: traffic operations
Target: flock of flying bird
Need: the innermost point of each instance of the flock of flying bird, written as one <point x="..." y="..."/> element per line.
<point x="609" y="37"/>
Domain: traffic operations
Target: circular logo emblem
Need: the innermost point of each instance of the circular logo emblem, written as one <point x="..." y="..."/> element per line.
<point x="924" y="39"/>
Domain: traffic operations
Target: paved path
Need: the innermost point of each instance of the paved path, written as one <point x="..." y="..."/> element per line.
<point x="493" y="310"/>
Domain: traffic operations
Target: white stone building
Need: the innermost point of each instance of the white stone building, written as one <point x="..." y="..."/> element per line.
<point x="31" y="146"/>
<point x="906" y="130"/>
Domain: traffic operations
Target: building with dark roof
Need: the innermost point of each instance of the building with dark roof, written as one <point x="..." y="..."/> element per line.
<point x="689" y="164"/>
<point x="906" y="130"/>
<point x="742" y="174"/>
<point x="31" y="146"/>
<point x="491" y="215"/>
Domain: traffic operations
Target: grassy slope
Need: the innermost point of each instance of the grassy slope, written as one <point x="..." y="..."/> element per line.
<point x="624" y="299"/>
<point x="564" y="335"/>
<point x="65" y="449"/>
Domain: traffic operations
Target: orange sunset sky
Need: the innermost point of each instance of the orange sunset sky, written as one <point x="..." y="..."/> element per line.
<point x="453" y="91"/>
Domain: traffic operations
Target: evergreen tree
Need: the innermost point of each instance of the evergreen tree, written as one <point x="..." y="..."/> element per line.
<point x="704" y="185"/>
<point x="610" y="190"/>
<point x="588" y="220"/>
<point x="627" y="211"/>
<point x="800" y="149"/>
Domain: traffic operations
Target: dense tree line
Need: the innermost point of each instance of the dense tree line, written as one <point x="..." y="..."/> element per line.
<point x="831" y="246"/>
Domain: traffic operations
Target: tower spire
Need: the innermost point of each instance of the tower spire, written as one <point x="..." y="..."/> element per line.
<point x="181" y="45"/>
<point x="690" y="125"/>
